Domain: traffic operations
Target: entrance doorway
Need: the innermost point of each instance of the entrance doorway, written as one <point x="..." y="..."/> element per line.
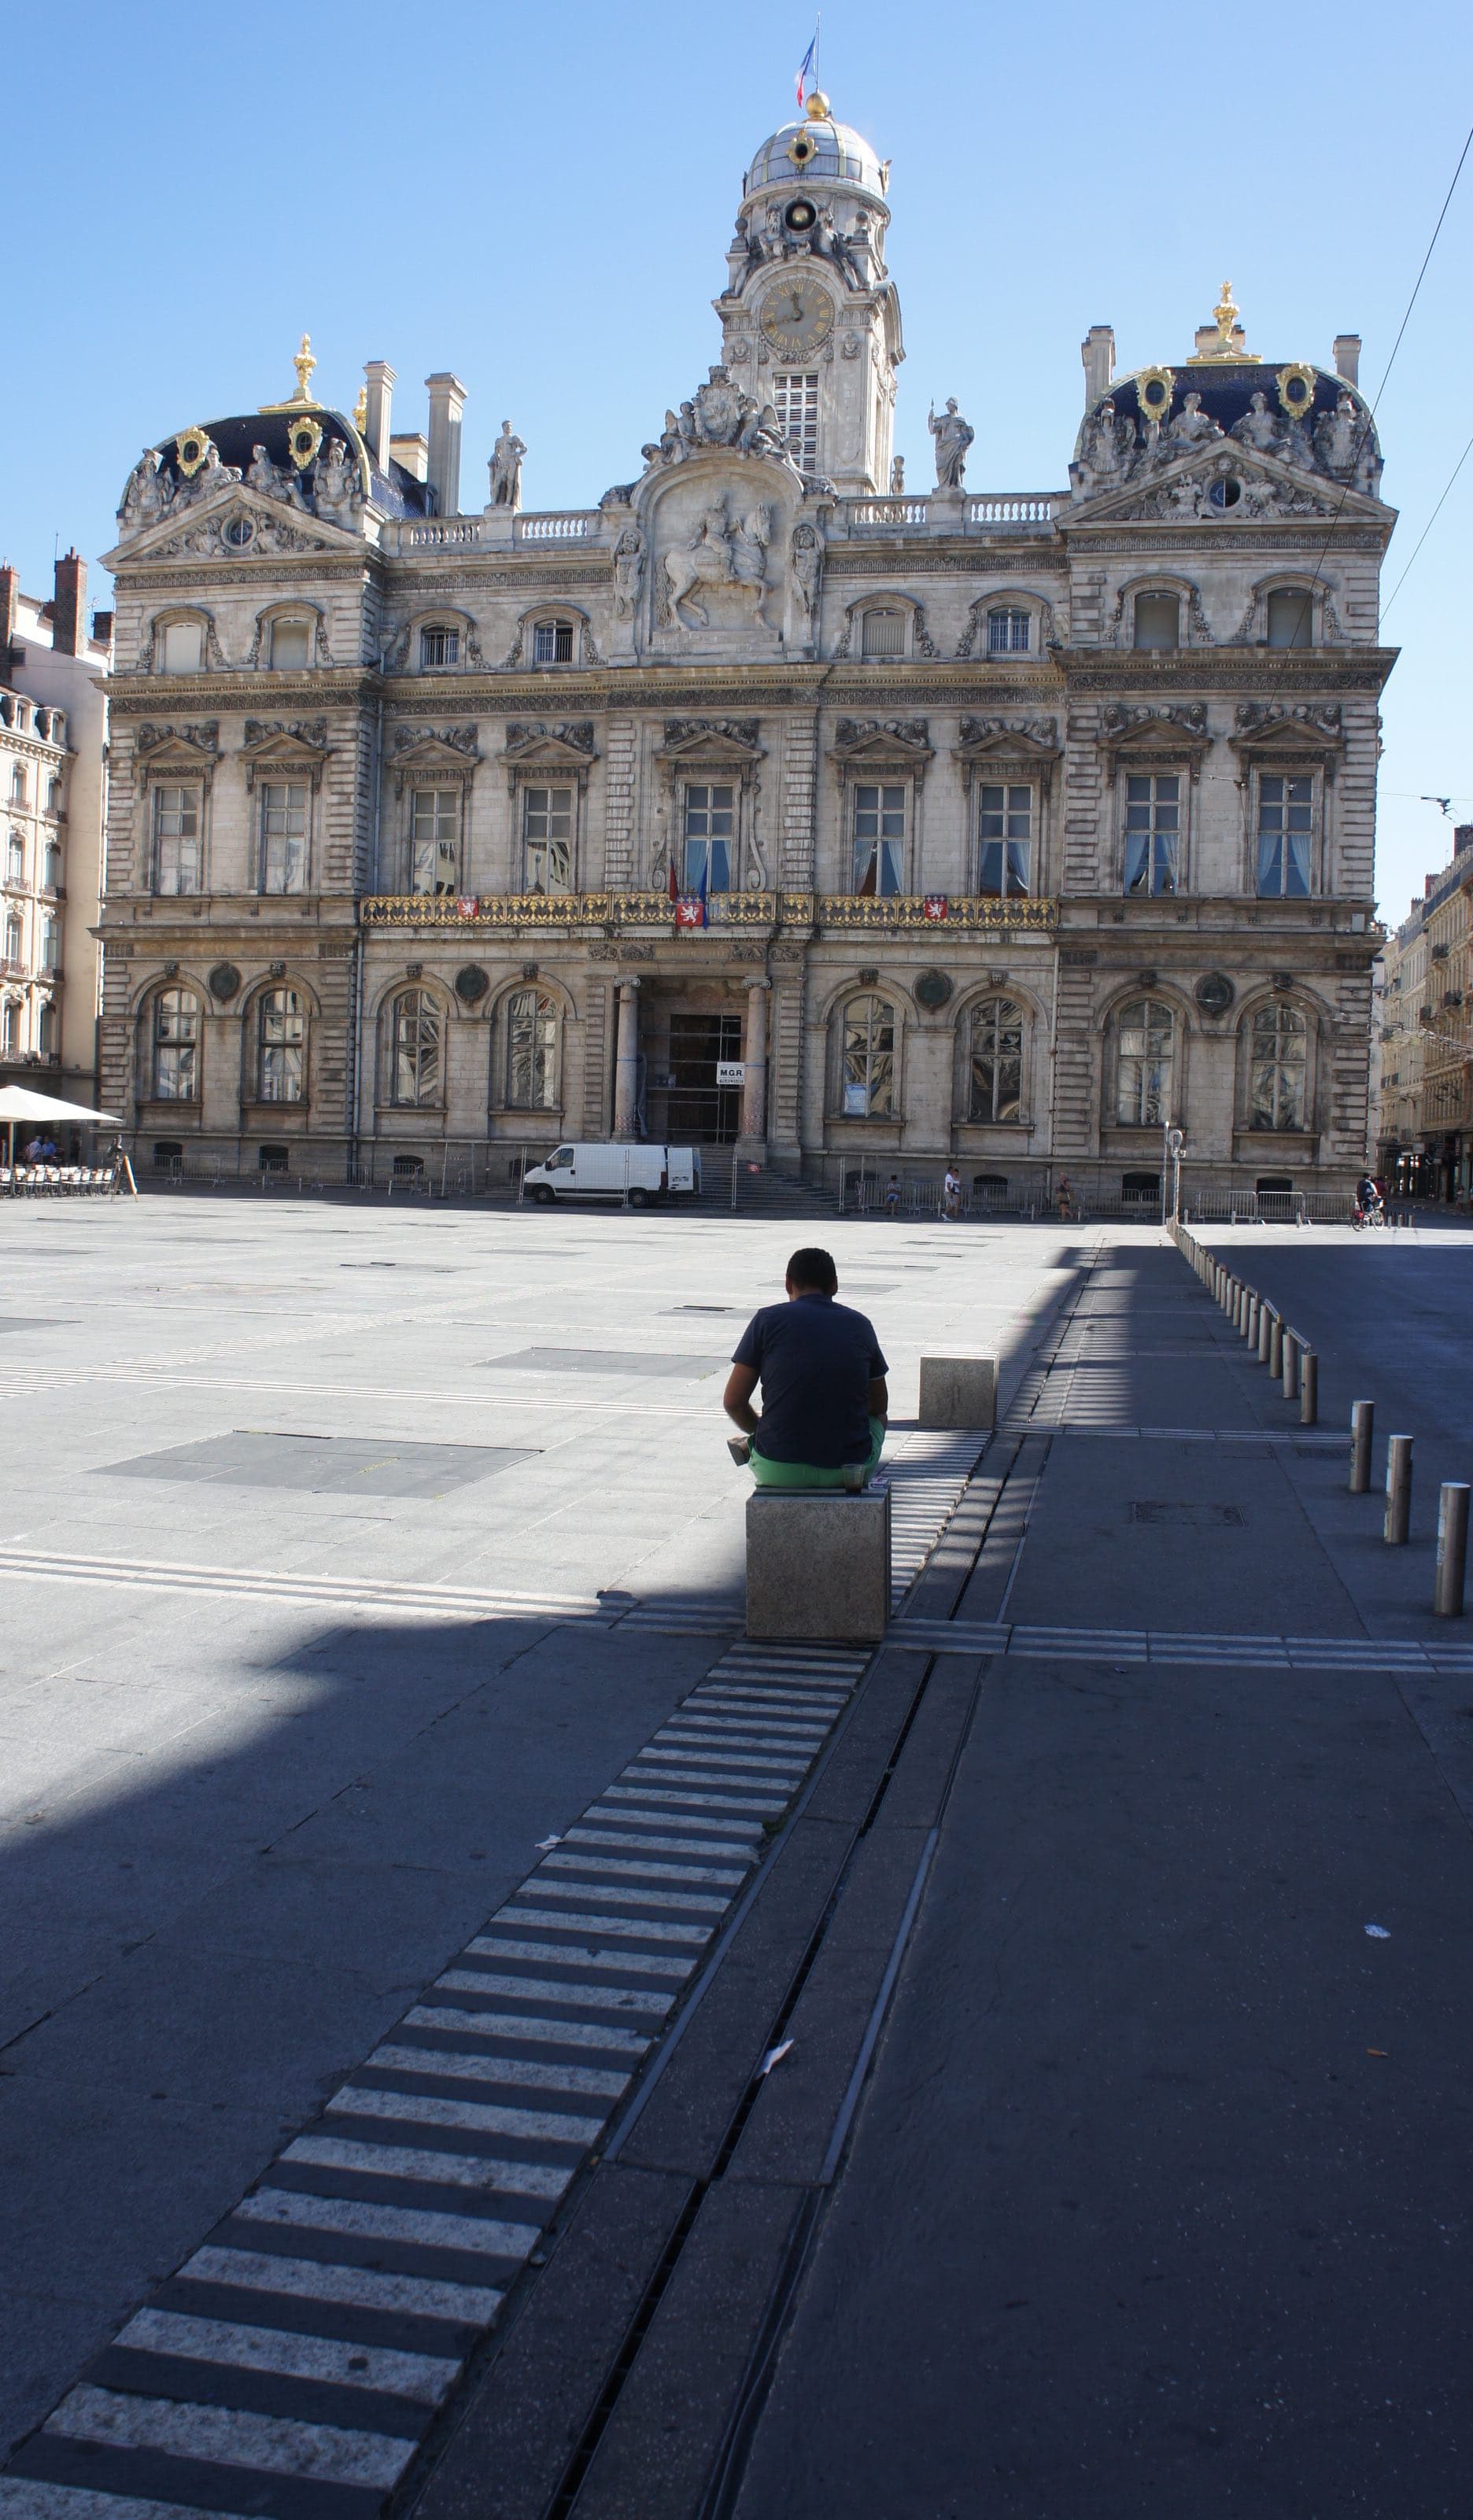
<point x="699" y="1111"/>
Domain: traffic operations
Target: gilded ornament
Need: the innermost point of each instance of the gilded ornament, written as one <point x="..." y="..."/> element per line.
<point x="304" y="363"/>
<point x="304" y="438"/>
<point x="1296" y="389"/>
<point x="360" y="410"/>
<point x="1154" y="388"/>
<point x="191" y="452"/>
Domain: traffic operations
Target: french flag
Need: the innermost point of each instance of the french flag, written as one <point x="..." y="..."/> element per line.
<point x="808" y="66"/>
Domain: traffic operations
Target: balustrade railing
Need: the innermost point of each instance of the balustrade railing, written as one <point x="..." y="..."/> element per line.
<point x="561" y="525"/>
<point x="611" y="911"/>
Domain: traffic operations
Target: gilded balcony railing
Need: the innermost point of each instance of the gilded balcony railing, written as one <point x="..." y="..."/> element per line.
<point x="939" y="913"/>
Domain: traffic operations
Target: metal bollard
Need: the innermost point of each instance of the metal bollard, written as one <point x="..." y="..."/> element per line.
<point x="1452" y="1550"/>
<point x="1240" y="1314"/>
<point x="1250" y="1326"/>
<point x="1362" y="1426"/>
<point x="1397" y="1490"/>
<point x="1291" y="1364"/>
<point x="1309" y="1388"/>
<point x="1276" y="1347"/>
<point x="1264" y="1331"/>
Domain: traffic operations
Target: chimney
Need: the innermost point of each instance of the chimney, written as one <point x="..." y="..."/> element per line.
<point x="380" y="394"/>
<point x="447" y="402"/>
<point x="101" y="629"/>
<point x="1097" y="351"/>
<point x="1348" y="357"/>
<point x="412" y="452"/>
<point x="68" y="612"/>
<point x="10" y="599"/>
<point x="1428" y="882"/>
<point x="1462" y="838"/>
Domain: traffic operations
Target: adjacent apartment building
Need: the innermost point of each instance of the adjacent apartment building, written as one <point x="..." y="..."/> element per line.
<point x="773" y="802"/>
<point x="1424" y="1044"/>
<point x="53" y="811"/>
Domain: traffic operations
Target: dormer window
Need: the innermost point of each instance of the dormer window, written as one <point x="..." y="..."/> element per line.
<point x="183" y="648"/>
<point x="553" y="642"/>
<point x="1290" y="618"/>
<point x="439" y="647"/>
<point x="883" y="632"/>
<point x="291" y="646"/>
<point x="1158" y="621"/>
<point x="1008" y="631"/>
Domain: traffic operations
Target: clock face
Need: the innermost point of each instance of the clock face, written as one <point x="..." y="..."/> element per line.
<point x="796" y="316"/>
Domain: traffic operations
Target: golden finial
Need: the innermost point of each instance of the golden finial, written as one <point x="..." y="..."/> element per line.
<point x="304" y="363"/>
<point x="816" y="107"/>
<point x="360" y="410"/>
<point x="1226" y="315"/>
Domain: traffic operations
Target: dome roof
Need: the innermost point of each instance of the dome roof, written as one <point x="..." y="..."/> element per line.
<point x="816" y="148"/>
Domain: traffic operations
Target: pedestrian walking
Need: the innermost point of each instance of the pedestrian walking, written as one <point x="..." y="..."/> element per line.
<point x="951" y="1193"/>
<point x="1065" y="1198"/>
<point x="892" y="1196"/>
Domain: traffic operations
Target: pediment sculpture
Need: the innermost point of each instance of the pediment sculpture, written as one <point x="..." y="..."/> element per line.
<point x="720" y="414"/>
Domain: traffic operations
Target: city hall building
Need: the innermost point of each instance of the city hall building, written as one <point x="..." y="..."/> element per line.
<point x="773" y="803"/>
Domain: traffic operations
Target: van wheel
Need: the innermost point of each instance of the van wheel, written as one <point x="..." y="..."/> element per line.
<point x="542" y="1194"/>
<point x="639" y="1199"/>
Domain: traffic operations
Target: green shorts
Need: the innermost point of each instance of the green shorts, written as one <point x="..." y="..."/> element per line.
<point x="804" y="1474"/>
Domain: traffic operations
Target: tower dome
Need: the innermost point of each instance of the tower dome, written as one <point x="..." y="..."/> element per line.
<point x="818" y="149"/>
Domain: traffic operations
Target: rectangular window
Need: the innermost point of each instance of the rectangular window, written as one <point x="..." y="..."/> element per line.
<point x="553" y="642"/>
<point x="15" y="859"/>
<point x="433" y="859"/>
<point x="1285" y="837"/>
<point x="439" y="647"/>
<point x="1152" y="832"/>
<point x="1007" y="632"/>
<point x="290" y="643"/>
<point x="710" y="824"/>
<point x="1004" y="829"/>
<point x="546" y="836"/>
<point x="879" y="842"/>
<point x="795" y="400"/>
<point x="884" y="633"/>
<point x="176" y="839"/>
<point x="48" y="944"/>
<point x="284" y="838"/>
<point x="183" y="648"/>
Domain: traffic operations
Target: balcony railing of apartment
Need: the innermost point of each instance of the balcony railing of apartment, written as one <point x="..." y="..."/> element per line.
<point x="606" y="912"/>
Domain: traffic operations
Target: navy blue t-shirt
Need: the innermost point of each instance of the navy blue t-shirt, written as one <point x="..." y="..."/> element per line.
<point x="816" y="1360"/>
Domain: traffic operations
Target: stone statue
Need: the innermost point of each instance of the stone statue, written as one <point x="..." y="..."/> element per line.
<point x="336" y="485"/>
<point x="145" y="493"/>
<point x="628" y="572"/>
<point x="1338" y="437"/>
<point x="1192" y="426"/>
<point x="808" y="569"/>
<point x="720" y="556"/>
<point x="210" y="477"/>
<point x="506" y="468"/>
<point x="1261" y="429"/>
<point x="952" y="437"/>
<point x="897" y="477"/>
<point x="261" y="473"/>
<point x="1109" y="444"/>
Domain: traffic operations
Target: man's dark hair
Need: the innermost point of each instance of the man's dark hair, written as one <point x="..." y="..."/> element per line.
<point x="813" y="1270"/>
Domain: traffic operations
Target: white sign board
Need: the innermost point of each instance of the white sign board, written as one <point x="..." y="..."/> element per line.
<point x="731" y="1071"/>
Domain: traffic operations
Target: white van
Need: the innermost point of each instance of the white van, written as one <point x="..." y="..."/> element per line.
<point x="608" y="1171"/>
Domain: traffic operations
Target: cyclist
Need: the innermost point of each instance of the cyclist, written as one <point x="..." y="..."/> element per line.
<point x="1369" y="1204"/>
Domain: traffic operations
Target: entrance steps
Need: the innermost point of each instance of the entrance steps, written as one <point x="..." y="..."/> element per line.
<point x="760" y="1190"/>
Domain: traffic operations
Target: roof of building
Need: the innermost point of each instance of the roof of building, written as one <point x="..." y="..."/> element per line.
<point x="816" y="148"/>
<point x="394" y="492"/>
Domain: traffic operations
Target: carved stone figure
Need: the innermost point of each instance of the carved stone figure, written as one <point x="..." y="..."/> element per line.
<point x="147" y="492"/>
<point x="897" y="477"/>
<point x="720" y="413"/>
<point x="1263" y="430"/>
<point x="336" y="486"/>
<point x="952" y="437"/>
<point x="1109" y="446"/>
<point x="720" y="556"/>
<point x="506" y="468"/>
<point x="808" y="567"/>
<point x="211" y="477"/>
<point x="1339" y="435"/>
<point x="628" y="572"/>
<point x="1192" y="425"/>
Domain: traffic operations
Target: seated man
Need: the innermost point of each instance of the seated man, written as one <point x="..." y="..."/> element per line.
<point x="824" y="1396"/>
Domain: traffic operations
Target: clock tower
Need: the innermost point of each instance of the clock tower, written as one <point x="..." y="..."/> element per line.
<point x="810" y="320"/>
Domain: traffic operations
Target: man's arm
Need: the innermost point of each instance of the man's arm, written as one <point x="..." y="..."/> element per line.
<point x="737" y="1399"/>
<point x="880" y="1396"/>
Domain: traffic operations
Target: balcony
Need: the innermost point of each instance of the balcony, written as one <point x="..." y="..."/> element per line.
<point x="931" y="512"/>
<point x="728" y="913"/>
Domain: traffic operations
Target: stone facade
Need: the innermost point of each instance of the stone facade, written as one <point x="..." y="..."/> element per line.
<point x="1422" y="1054"/>
<point x="999" y="827"/>
<point x="53" y="786"/>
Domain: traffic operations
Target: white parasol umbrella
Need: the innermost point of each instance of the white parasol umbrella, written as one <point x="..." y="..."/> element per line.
<point x="18" y="1103"/>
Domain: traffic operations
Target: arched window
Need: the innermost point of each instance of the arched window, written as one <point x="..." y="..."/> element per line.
<point x="10" y="1026"/>
<point x="869" y="1058"/>
<point x="46" y="1028"/>
<point x="1277" y="1068"/>
<point x="996" y="1091"/>
<point x="183" y="648"/>
<point x="1008" y="631"/>
<point x="532" y="1030"/>
<point x="883" y="632"/>
<point x="281" y="1045"/>
<point x="52" y="878"/>
<point x="175" y="1049"/>
<point x="1290" y="612"/>
<point x="553" y="642"/>
<point x="439" y="645"/>
<point x="15" y="859"/>
<point x="13" y="938"/>
<point x="50" y="940"/>
<point x="416" y="1062"/>
<point x="1158" y="620"/>
<point x="1146" y="1038"/>
<point x="17" y="783"/>
<point x="290" y="645"/>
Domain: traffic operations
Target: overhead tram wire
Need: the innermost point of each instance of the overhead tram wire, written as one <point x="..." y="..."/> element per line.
<point x="1426" y="529"/>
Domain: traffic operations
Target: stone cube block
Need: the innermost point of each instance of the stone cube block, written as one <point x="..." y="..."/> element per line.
<point x="817" y="1564"/>
<point x="959" y="1391"/>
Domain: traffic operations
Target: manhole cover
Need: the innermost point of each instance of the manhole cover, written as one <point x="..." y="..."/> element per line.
<point x="1191" y="1517"/>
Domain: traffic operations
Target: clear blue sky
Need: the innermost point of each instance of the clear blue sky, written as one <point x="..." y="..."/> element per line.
<point x="540" y="198"/>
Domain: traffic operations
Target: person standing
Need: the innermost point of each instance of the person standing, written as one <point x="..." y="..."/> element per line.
<point x="1065" y="1198"/>
<point x="951" y="1195"/>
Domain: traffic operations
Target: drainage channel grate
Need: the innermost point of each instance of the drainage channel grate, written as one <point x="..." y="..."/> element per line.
<point x="1191" y="1517"/>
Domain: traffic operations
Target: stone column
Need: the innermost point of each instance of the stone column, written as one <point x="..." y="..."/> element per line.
<point x="627" y="1061"/>
<point x="751" y="1146"/>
